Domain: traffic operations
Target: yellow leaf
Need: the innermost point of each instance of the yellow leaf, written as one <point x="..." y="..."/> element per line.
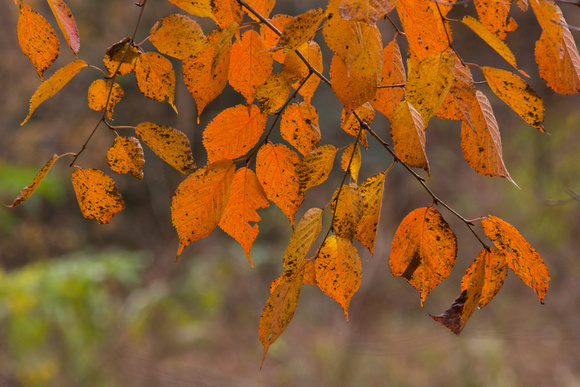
<point x="372" y="196"/>
<point x="494" y="15"/>
<point x="246" y="196"/>
<point x="351" y="125"/>
<point x="521" y="257"/>
<point x="126" y="156"/>
<point x="195" y="7"/>
<point x="53" y="84"/>
<point x="315" y="167"/>
<point x="200" y="201"/>
<point x="302" y="240"/>
<point x="99" y="94"/>
<point x="273" y="93"/>
<point x="276" y="170"/>
<point x="264" y="7"/>
<point x="67" y="24"/>
<point x="496" y="269"/>
<point x="299" y="126"/>
<point x="250" y="65"/>
<point x="424" y="250"/>
<point x="169" y="144"/>
<point x="347" y="209"/>
<point x="393" y="73"/>
<point x="496" y="43"/>
<point x="270" y="38"/>
<point x="178" y="36"/>
<point x="351" y="160"/>
<point x="457" y="104"/>
<point x="227" y="12"/>
<point x="124" y="51"/>
<point x="37" y="39"/>
<point x="297" y="69"/>
<point x="30" y="188"/>
<point x="516" y="92"/>
<point x="155" y="77"/>
<point x="408" y="134"/>
<point x="233" y="132"/>
<point x="368" y="11"/>
<point x="97" y="195"/>
<point x="299" y="30"/>
<point x="338" y="270"/>
<point x="481" y="142"/>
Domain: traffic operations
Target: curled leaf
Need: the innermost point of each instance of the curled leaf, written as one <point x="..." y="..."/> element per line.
<point x="30" y="188"/>
<point x="126" y="156"/>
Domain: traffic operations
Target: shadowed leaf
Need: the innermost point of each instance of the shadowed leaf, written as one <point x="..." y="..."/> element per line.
<point x="315" y="167"/>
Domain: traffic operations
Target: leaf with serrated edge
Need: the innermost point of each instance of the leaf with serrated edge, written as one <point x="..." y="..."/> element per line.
<point x="393" y="73"/>
<point x="99" y="94"/>
<point x="302" y="239"/>
<point x="424" y="250"/>
<point x="351" y="125"/>
<point x="263" y="7"/>
<point x="457" y="104"/>
<point x="347" y="210"/>
<point x="351" y="152"/>
<point x="67" y="24"/>
<point x="30" y="188"/>
<point x="169" y="144"/>
<point x="372" y="197"/>
<point x="195" y="7"/>
<point x="200" y="200"/>
<point x="126" y="156"/>
<point x="270" y="38"/>
<point x="299" y="30"/>
<point x="496" y="269"/>
<point x="494" y="15"/>
<point x="315" y="167"/>
<point x="123" y="50"/>
<point x="96" y="194"/>
<point x="178" y="36"/>
<point x="295" y="67"/>
<point x="227" y="12"/>
<point x="408" y="134"/>
<point x="155" y="77"/>
<point x="521" y="257"/>
<point x="272" y="94"/>
<point x="246" y="197"/>
<point x="299" y="126"/>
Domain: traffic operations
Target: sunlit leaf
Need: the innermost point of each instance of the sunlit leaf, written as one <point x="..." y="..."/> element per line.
<point x="299" y="126"/>
<point x="494" y="15"/>
<point x="67" y="24"/>
<point x="408" y="134"/>
<point x="315" y="167"/>
<point x="302" y="239"/>
<point x="195" y="7"/>
<point x="273" y="93"/>
<point x="461" y="94"/>
<point x="393" y="74"/>
<point x="169" y="144"/>
<point x="263" y="7"/>
<point x="347" y="209"/>
<point x="351" y="124"/>
<point x="178" y="36"/>
<point x="99" y="92"/>
<point x="30" y="188"/>
<point x="299" y="30"/>
<point x="227" y="12"/>
<point x="123" y="51"/>
<point x="371" y="192"/>
<point x="155" y="77"/>
<point x="496" y="269"/>
<point x="97" y="194"/>
<point x="126" y="156"/>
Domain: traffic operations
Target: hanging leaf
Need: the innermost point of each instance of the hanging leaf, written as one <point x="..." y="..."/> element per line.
<point x="98" y="95"/>
<point x="30" y="188"/>
<point x="195" y="7"/>
<point x="299" y="30"/>
<point x="408" y="134"/>
<point x="299" y="126"/>
<point x="97" y="195"/>
<point x="227" y="12"/>
<point x="200" y="201"/>
<point x="53" y="84"/>
<point x="351" y="160"/>
<point x="124" y="51"/>
<point x="302" y="240"/>
<point x="393" y="73"/>
<point x="297" y="69"/>
<point x="273" y="93"/>
<point x="233" y="132"/>
<point x="37" y="39"/>
<point x="351" y="125"/>
<point x="263" y="7"/>
<point x="494" y="15"/>
<point x="496" y="269"/>
<point x="178" y="36"/>
<point x="276" y="170"/>
<point x="371" y="192"/>
<point x="315" y="167"/>
<point x="338" y="270"/>
<point x="126" y="156"/>
<point x="521" y="257"/>
<point x="368" y="11"/>
<point x="461" y="94"/>
<point x="171" y="145"/>
<point x="271" y="38"/>
<point x="155" y="77"/>
<point x="309" y="273"/>
<point x="246" y="196"/>
<point x="67" y="24"/>
<point x="424" y="250"/>
<point x="347" y="209"/>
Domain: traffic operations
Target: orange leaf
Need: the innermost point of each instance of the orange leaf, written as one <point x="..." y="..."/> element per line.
<point x="99" y="94"/>
<point x="195" y="7"/>
<point x="351" y="125"/>
<point x="272" y="94"/>
<point x="347" y="209"/>
<point x="393" y="73"/>
<point x="481" y="142"/>
<point x="516" y="92"/>
<point x="299" y="30"/>
<point x="233" y="132"/>
<point x="408" y="134"/>
<point x="124" y="50"/>
<point x="368" y="11"/>
<point x="169" y="144"/>
<point x="250" y="66"/>
<point x="302" y="240"/>
<point x="338" y="270"/>
<point x="227" y="12"/>
<point x="30" y="188"/>
<point x="200" y="201"/>
<point x="496" y="269"/>
<point x="424" y="250"/>
<point x="457" y="104"/>
<point x="297" y="69"/>
<point x="53" y="84"/>
<point x="37" y="39"/>
<point x="372" y="196"/>
<point x="97" y="195"/>
<point x="126" y="156"/>
<point x="270" y="38"/>
<point x="276" y="170"/>
<point x="494" y="15"/>
<point x="523" y="259"/>
<point x="264" y="7"/>
<point x="455" y="318"/>
<point x="315" y="167"/>
<point x="299" y="126"/>
<point x="246" y="197"/>
<point x="67" y="24"/>
<point x="178" y="36"/>
<point x="155" y="77"/>
<point x="309" y="273"/>
<point x="351" y="160"/>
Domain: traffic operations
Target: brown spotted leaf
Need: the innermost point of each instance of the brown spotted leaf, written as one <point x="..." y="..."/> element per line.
<point x="393" y="74"/>
<point x="178" y="36"/>
<point x="351" y="124"/>
<point x="124" y="52"/>
<point x="126" y="156"/>
<point x="299" y="30"/>
<point x="408" y="134"/>
<point x="227" y="12"/>
<point x="347" y="209"/>
<point x="96" y="194"/>
<point x="273" y="93"/>
<point x="315" y="167"/>
<point x="155" y="77"/>
<point x="195" y="7"/>
<point x="368" y="11"/>
<point x="372" y="197"/>
<point x="100" y="92"/>
<point x="494" y="15"/>
<point x="169" y="144"/>
<point x="496" y="269"/>
<point x="299" y="126"/>
<point x="302" y="239"/>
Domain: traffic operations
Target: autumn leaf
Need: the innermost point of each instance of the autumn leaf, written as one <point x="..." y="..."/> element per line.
<point x="309" y="273"/>
<point x="53" y="84"/>
<point x="263" y="7"/>
<point x="424" y="250"/>
<point x="351" y="160"/>
<point x="351" y="124"/>
<point x="271" y="38"/>
<point x="338" y="270"/>
<point x="461" y="94"/>
<point x="97" y="194"/>
<point x="171" y="145"/>
<point x="368" y="11"/>
<point x="496" y="269"/>
<point x="273" y="93"/>
<point x="124" y="52"/>
<point x="155" y="77"/>
<point x="67" y="24"/>
<point x="371" y="192"/>
<point x="297" y="69"/>
<point x="195" y="7"/>
<point x="408" y="134"/>
<point x="302" y="239"/>
<point x="299" y="126"/>
<point x="494" y="15"/>
<point x="178" y="36"/>
<point x="299" y="30"/>
<point x="393" y="73"/>
<point x="516" y="92"/>
<point x="315" y="167"/>
<point x="227" y="12"/>
<point x="37" y="39"/>
<point x="521" y="257"/>
<point x="200" y="201"/>
<point x="98" y="95"/>
<point x="233" y="132"/>
<point x="126" y="156"/>
<point x="276" y="170"/>
<point x="30" y="188"/>
<point x="347" y="209"/>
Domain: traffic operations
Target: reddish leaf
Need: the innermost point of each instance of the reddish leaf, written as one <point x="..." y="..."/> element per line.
<point x="227" y="12"/>
<point x="67" y="24"/>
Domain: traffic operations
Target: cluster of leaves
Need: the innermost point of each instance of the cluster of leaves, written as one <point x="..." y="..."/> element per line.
<point x="245" y="171"/>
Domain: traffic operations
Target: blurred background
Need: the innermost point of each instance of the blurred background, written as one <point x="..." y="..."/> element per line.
<point x="107" y="305"/>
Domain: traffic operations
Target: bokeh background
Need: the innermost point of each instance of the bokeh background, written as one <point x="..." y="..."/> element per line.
<point x="83" y="304"/>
